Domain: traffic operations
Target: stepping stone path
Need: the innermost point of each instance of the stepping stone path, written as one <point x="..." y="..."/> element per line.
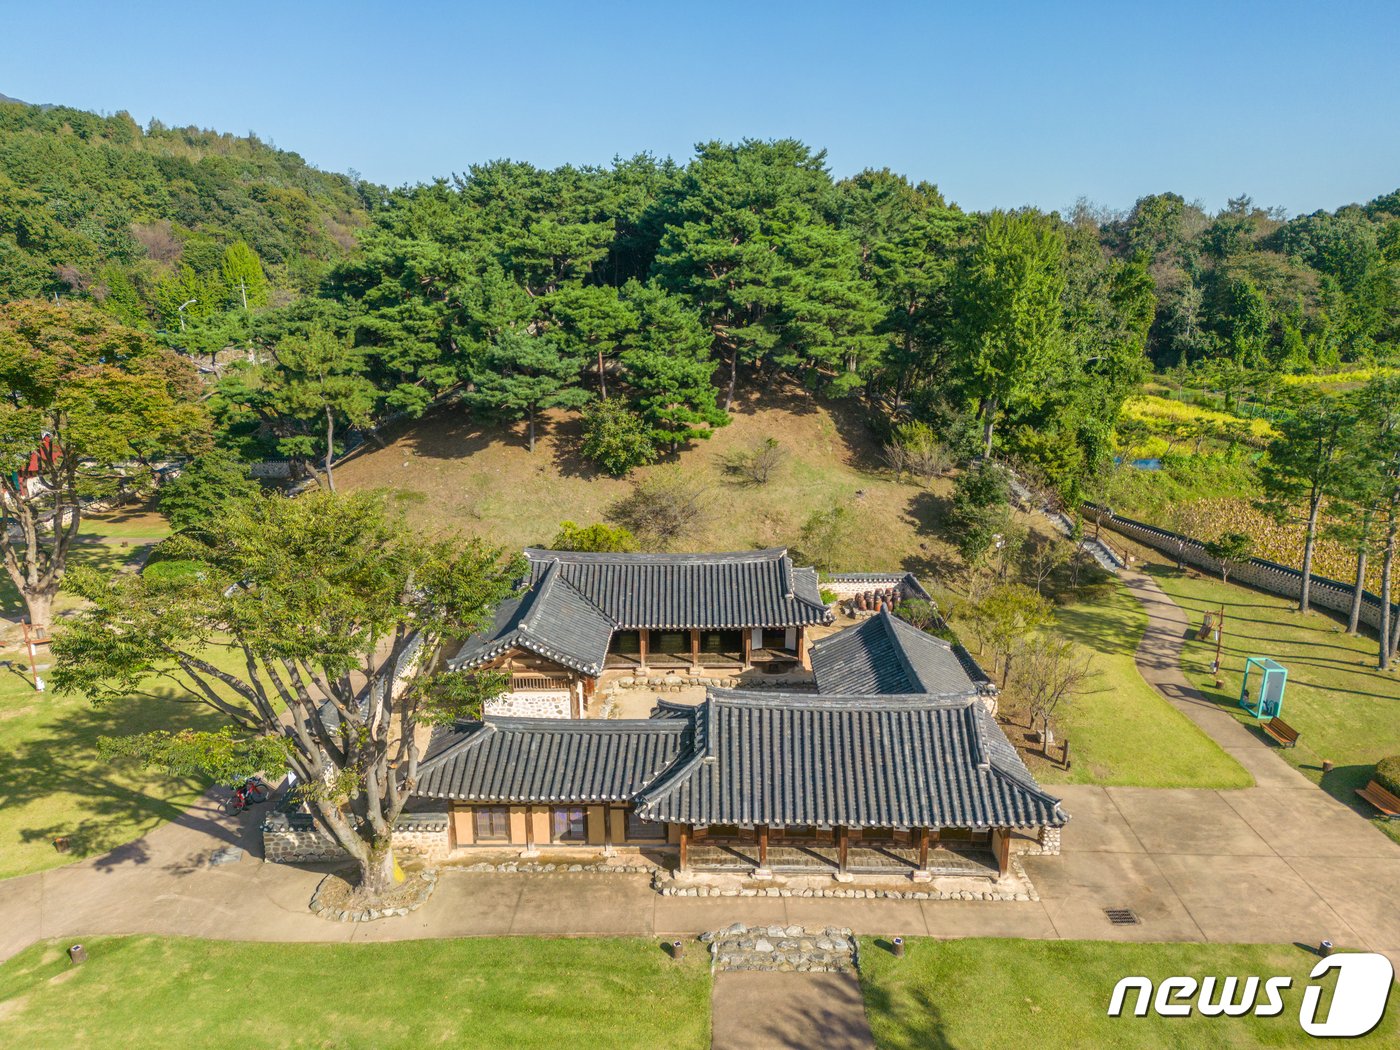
<point x="781" y="949"/>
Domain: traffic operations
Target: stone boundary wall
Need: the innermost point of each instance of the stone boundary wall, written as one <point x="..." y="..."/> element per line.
<point x="1265" y="575"/>
<point x="784" y="949"/>
<point x="846" y="585"/>
<point x="528" y="867"/>
<point x="529" y="705"/>
<point x="294" y="838"/>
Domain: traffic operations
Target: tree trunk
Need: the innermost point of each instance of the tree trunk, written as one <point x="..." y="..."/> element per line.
<point x="40" y="606"/>
<point x="1309" y="541"/>
<point x="1354" y="617"/>
<point x="531" y="416"/>
<point x="989" y="419"/>
<point x="602" y="382"/>
<point x="733" y="379"/>
<point x="379" y="872"/>
<point x="330" y="449"/>
<point x="1387" y="563"/>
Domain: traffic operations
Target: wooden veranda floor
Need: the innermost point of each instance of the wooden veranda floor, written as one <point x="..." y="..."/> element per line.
<point x="864" y="859"/>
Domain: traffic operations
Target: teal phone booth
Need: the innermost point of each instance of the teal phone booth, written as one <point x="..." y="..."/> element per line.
<point x="1265" y="700"/>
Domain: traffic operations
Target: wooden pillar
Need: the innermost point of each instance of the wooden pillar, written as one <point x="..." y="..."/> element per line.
<point x="1003" y="848"/>
<point x="763" y="846"/>
<point x="685" y="847"/>
<point x="843" y="842"/>
<point x="695" y="651"/>
<point x="804" y="654"/>
<point x="748" y="647"/>
<point x="643" y="637"/>
<point x="923" y="849"/>
<point x="530" y="829"/>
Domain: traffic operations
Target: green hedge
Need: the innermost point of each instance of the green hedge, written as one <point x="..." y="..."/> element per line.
<point x="1388" y="774"/>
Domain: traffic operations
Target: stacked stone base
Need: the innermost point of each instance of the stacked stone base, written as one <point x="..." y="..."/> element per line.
<point x="783" y="949"/>
<point x="1015" y="886"/>
<point x="294" y="838"/>
<point x="629" y="866"/>
<point x="413" y="896"/>
<point x="1047" y="844"/>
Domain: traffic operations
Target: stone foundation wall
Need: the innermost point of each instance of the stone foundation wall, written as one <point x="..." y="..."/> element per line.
<point x="1045" y="844"/>
<point x="293" y="838"/>
<point x="530" y="705"/>
<point x="785" y="949"/>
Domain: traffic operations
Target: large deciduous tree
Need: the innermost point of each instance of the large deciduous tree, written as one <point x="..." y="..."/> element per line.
<point x="89" y="408"/>
<point x="1306" y="465"/>
<point x="300" y="630"/>
<point x="1006" y="308"/>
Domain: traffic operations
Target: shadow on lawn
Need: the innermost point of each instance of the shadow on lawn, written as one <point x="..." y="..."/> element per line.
<point x="112" y="815"/>
<point x="920" y="1018"/>
<point x="105" y="554"/>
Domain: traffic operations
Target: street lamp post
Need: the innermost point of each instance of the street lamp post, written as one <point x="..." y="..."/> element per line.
<point x="181" y="311"/>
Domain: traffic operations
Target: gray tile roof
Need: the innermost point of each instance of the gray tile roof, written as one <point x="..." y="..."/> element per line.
<point x="886" y="655"/>
<point x="553" y="620"/>
<point x="741" y="589"/>
<point x="546" y="760"/>
<point x="856" y="761"/>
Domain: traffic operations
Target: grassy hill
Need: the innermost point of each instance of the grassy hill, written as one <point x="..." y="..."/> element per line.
<point x="451" y="471"/>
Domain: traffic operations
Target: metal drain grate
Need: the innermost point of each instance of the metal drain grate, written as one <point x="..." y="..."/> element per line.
<point x="1122" y="916"/>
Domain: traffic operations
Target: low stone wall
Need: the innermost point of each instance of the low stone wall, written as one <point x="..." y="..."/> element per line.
<point x="530" y="705"/>
<point x="294" y="838"/>
<point x="1015" y="886"/>
<point x="1267" y="576"/>
<point x="785" y="949"/>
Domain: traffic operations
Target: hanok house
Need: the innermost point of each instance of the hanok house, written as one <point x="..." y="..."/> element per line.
<point x="586" y="614"/>
<point x="756" y="782"/>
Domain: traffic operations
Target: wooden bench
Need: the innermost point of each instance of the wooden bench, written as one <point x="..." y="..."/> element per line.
<point x="1281" y="731"/>
<point x="1382" y="799"/>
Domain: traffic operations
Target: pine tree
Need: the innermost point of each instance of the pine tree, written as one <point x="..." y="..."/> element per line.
<point x="520" y="375"/>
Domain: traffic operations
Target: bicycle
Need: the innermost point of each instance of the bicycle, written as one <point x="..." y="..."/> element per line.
<point x="251" y="792"/>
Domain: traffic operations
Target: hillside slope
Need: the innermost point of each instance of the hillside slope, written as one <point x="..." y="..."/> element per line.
<point x="451" y="472"/>
<point x="85" y="198"/>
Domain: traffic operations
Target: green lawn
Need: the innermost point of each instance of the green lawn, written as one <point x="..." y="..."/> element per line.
<point x="1121" y="731"/>
<point x="510" y="992"/>
<point x="973" y="993"/>
<point x="54" y="782"/>
<point x="1344" y="708"/>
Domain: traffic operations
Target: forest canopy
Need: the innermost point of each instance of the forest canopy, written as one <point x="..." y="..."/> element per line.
<point x="672" y="289"/>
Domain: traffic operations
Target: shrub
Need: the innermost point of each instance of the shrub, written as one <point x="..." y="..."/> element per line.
<point x="759" y="463"/>
<point x="829" y="596"/>
<point x="825" y="536"/>
<point x="209" y="487"/>
<point x="613" y="539"/>
<point x="981" y="509"/>
<point x="665" y="509"/>
<point x="914" y="449"/>
<point x="615" y="437"/>
<point x="1388" y="774"/>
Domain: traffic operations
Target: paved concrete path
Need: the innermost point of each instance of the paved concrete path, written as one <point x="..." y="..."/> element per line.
<point x="776" y="1011"/>
<point x="1279" y="862"/>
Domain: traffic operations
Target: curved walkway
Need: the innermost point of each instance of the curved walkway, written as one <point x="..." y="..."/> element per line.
<point x="1278" y="862"/>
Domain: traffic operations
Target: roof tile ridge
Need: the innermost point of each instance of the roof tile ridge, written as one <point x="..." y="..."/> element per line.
<point x="472" y="739"/>
<point x="888" y="621"/>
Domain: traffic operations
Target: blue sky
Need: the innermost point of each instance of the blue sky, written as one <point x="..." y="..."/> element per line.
<point x="1000" y="104"/>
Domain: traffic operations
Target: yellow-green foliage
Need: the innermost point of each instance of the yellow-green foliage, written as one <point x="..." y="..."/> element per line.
<point x="1162" y="413"/>
<point x="1354" y="376"/>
